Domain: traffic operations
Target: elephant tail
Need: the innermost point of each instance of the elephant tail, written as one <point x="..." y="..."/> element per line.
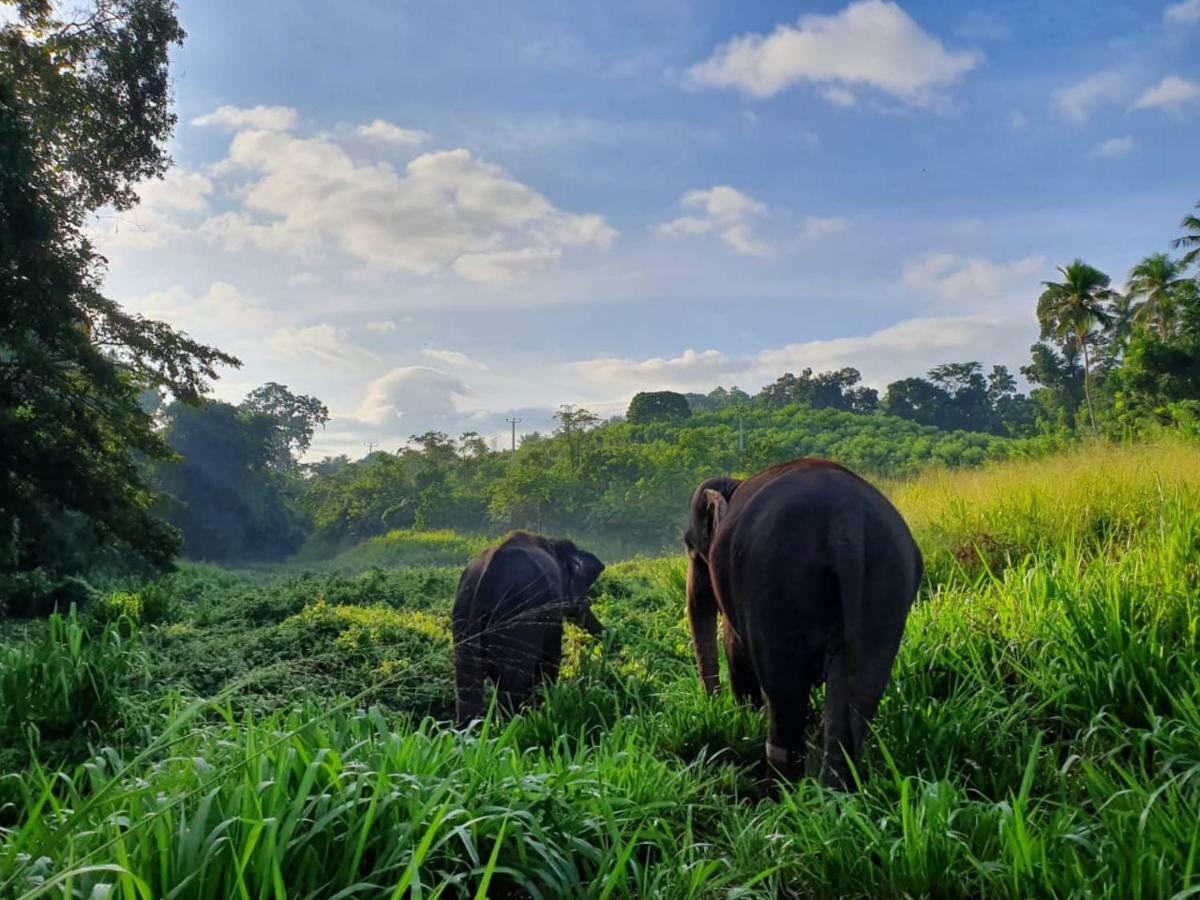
<point x="851" y="577"/>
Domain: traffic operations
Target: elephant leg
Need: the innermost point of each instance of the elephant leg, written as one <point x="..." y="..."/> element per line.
<point x="743" y="680"/>
<point x="518" y="656"/>
<point x="787" y="687"/>
<point x="851" y="699"/>
<point x="468" y="684"/>
<point x="551" y="661"/>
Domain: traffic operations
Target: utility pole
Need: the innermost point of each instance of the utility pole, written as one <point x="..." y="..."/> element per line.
<point x="513" y="422"/>
<point x="371" y="445"/>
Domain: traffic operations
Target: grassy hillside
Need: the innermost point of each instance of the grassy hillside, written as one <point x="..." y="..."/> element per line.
<point x="1041" y="735"/>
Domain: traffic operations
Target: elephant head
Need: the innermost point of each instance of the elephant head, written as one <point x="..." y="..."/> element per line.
<point x="709" y="504"/>
<point x="580" y="570"/>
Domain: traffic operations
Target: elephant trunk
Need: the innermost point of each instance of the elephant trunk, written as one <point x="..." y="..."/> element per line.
<point x="702" y="616"/>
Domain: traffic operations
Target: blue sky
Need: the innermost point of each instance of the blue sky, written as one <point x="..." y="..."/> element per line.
<point x="436" y="216"/>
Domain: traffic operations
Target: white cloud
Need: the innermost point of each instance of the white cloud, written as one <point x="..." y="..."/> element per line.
<point x="504" y="266"/>
<point x="324" y="342"/>
<point x="386" y="326"/>
<point x="1077" y="101"/>
<point x="1172" y="94"/>
<point x="815" y="227"/>
<point x="168" y="207"/>
<point x="1017" y="121"/>
<point x="870" y="43"/>
<point x="1183" y="13"/>
<point x="179" y="189"/>
<point x="1114" y="148"/>
<point x="906" y="348"/>
<point x="723" y="211"/>
<point x="454" y="358"/>
<point x="447" y="211"/>
<point x="304" y="279"/>
<point x="387" y="133"/>
<point x="960" y="281"/>
<point x="840" y="96"/>
<point x="263" y="118"/>
<point x="420" y="396"/>
<point x="221" y="311"/>
<point x="690" y="371"/>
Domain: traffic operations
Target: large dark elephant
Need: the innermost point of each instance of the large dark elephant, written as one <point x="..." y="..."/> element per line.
<point x="508" y="618"/>
<point x="813" y="571"/>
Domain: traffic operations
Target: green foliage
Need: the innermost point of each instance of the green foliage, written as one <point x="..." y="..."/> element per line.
<point x="621" y="487"/>
<point x="83" y="117"/>
<point x="64" y="682"/>
<point x="230" y="482"/>
<point x="657" y="406"/>
<point x="1039" y="738"/>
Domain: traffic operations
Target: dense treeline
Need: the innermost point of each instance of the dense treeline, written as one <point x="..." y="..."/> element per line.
<point x="623" y="483"/>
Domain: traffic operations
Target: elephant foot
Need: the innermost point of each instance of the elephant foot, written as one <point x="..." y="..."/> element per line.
<point x="788" y="763"/>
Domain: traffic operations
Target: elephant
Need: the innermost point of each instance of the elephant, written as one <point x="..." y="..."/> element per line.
<point x="813" y="571"/>
<point x="508" y="618"/>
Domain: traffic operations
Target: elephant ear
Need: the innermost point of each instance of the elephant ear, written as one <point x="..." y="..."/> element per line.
<point x="718" y="504"/>
<point x="585" y="568"/>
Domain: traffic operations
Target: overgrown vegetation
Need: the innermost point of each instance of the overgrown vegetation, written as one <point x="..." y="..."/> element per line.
<point x="1041" y="734"/>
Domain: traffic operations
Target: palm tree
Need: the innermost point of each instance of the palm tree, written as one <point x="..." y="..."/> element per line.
<point x="1123" y="312"/>
<point x="1157" y="279"/>
<point x="1192" y="241"/>
<point x="1072" y="308"/>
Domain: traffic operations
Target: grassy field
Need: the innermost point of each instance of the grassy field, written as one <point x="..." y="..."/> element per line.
<point x="275" y="734"/>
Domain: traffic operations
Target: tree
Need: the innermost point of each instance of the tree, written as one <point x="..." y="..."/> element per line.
<point x="573" y="423"/>
<point x="230" y="500"/>
<point x="657" y="406"/>
<point x="84" y="116"/>
<point x="824" y="390"/>
<point x="1060" y="377"/>
<point x="1190" y="241"/>
<point x="296" y="418"/>
<point x="1073" y="308"/>
<point x="1156" y="281"/>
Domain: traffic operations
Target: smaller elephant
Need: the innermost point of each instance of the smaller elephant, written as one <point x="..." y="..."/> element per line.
<point x="508" y="618"/>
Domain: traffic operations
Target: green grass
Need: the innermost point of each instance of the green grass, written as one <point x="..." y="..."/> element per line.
<point x="1041" y="736"/>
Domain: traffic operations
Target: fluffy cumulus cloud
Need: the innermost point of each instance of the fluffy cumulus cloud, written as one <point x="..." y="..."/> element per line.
<point x="953" y="280"/>
<point x="383" y="132"/>
<point x="871" y="44"/>
<point x="420" y="397"/>
<point x="1185" y="13"/>
<point x="443" y="213"/>
<point x="320" y="342"/>
<point x="723" y="211"/>
<point x="263" y="118"/>
<point x="1172" y="94"/>
<point x="1114" y="148"/>
<point x="446" y="211"/>
<point x="1077" y="101"/>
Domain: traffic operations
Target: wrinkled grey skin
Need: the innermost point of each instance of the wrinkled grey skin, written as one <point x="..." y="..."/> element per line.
<point x="508" y="618"/>
<point x="813" y="571"/>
